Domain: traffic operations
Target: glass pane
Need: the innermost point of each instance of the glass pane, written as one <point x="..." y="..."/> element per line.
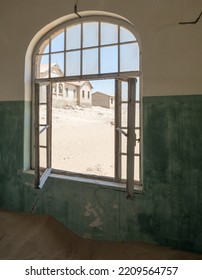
<point x="109" y="59"/>
<point x="124" y="142"/>
<point x="129" y="57"/>
<point x="42" y="64"/>
<point x="42" y="115"/>
<point x="123" y="167"/>
<point x="126" y="35"/>
<point x="137" y="115"/>
<point x="109" y="33"/>
<point x="42" y="138"/>
<point x="73" y="35"/>
<point x="42" y="157"/>
<point x="90" y="61"/>
<point x="43" y="93"/>
<point x="57" y="65"/>
<point x="57" y="43"/>
<point x="137" y="168"/>
<point x="90" y="34"/>
<point x="124" y="115"/>
<point x="124" y="91"/>
<point x="73" y="63"/>
<point x="137" y="146"/>
<point x="138" y="89"/>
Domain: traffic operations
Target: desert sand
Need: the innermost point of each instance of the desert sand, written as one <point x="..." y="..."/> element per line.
<point x="27" y="236"/>
<point x="83" y="141"/>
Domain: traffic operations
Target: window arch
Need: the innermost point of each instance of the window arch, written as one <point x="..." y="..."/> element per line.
<point x="85" y="49"/>
<point x="81" y="48"/>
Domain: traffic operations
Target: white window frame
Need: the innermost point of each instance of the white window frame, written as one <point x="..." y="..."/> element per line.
<point x="129" y="76"/>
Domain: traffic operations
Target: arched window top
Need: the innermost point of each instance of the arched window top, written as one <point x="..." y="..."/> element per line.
<point x="86" y="47"/>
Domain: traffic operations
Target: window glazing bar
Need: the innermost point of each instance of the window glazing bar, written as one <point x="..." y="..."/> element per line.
<point x="121" y="131"/>
<point x="44" y="128"/>
<point x="117" y="132"/>
<point x="44" y="177"/>
<point x="36" y="125"/>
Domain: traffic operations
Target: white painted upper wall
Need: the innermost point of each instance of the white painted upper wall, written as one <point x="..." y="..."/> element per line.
<point x="171" y="53"/>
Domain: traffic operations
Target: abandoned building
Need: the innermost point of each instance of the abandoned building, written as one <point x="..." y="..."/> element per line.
<point x="66" y="94"/>
<point x="103" y="100"/>
<point x="155" y="43"/>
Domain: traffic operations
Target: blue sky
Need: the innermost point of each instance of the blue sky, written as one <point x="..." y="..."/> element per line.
<point x="129" y="53"/>
<point x="106" y="86"/>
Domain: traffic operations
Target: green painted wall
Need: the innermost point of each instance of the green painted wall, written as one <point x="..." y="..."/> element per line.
<point x="168" y="213"/>
<point x="172" y="168"/>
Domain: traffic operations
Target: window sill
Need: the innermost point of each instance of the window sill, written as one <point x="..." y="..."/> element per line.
<point x="138" y="189"/>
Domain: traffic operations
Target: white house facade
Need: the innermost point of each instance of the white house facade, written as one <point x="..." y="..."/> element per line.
<point x="68" y="93"/>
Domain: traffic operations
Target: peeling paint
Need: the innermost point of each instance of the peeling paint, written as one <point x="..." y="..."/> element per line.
<point x="115" y="206"/>
<point x="90" y="211"/>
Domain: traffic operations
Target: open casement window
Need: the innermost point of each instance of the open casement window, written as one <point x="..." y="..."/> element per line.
<point x="89" y="49"/>
<point x="43" y="124"/>
<point x="126" y="131"/>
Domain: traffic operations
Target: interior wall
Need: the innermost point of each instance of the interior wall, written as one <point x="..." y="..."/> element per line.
<point x="169" y="211"/>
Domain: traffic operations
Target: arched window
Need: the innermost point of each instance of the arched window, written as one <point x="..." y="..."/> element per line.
<point x="80" y="52"/>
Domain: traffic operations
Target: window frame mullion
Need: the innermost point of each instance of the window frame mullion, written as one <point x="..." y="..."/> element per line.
<point x="36" y="127"/>
<point x="131" y="141"/>
<point x="118" y="136"/>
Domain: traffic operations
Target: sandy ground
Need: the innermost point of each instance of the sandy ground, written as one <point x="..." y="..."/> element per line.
<point x="83" y="141"/>
<point x="30" y="236"/>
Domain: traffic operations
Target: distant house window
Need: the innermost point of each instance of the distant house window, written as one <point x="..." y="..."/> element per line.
<point x="54" y="88"/>
<point x="67" y="92"/>
<point x="60" y="88"/>
<point x="92" y="49"/>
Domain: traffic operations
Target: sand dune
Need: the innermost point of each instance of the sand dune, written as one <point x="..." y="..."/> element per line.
<point x="30" y="236"/>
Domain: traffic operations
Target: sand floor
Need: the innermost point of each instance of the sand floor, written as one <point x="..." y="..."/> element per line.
<point x="30" y="236"/>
